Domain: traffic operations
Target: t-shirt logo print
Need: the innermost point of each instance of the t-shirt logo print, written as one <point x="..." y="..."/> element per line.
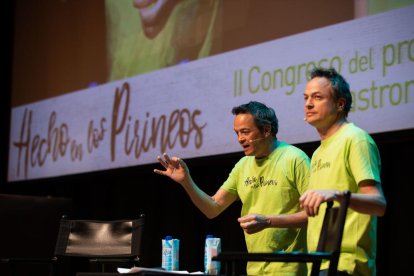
<point x="319" y="165"/>
<point x="258" y="182"/>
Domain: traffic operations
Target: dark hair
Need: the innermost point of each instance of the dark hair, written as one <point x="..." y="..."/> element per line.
<point x="262" y="114"/>
<point x="340" y="86"/>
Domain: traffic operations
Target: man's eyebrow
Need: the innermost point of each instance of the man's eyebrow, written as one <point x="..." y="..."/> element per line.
<point x="313" y="92"/>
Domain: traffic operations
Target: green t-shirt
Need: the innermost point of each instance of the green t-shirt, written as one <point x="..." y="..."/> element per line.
<point x="272" y="186"/>
<point x="341" y="162"/>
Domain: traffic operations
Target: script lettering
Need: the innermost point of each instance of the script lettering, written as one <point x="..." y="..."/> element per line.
<point x="181" y="126"/>
<point x="34" y="150"/>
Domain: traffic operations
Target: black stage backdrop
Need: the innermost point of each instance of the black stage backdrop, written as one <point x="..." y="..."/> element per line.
<point x="127" y="192"/>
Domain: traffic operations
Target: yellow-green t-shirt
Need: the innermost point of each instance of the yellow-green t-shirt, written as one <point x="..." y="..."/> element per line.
<point x="272" y="186"/>
<point x="341" y="162"/>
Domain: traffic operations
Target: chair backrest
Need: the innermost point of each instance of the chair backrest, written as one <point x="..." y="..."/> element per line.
<point x="329" y="245"/>
<point x="94" y="238"/>
<point x="332" y="230"/>
<point x="30" y="224"/>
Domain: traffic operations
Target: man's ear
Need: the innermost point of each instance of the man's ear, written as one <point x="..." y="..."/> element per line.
<point x="340" y="105"/>
<point x="267" y="130"/>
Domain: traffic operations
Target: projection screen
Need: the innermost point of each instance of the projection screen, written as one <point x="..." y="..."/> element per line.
<point x="185" y="110"/>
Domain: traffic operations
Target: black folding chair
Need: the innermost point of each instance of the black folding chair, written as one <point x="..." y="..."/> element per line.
<point x="101" y="242"/>
<point x="329" y="245"/>
<point x="29" y="227"/>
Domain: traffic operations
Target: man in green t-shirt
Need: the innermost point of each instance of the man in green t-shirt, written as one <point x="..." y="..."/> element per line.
<point x="269" y="181"/>
<point x="347" y="159"/>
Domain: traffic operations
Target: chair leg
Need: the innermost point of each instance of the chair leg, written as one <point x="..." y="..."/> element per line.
<point x="13" y="269"/>
<point x="229" y="268"/>
<point x="316" y="268"/>
<point x="233" y="268"/>
<point x="54" y="270"/>
<point x="333" y="269"/>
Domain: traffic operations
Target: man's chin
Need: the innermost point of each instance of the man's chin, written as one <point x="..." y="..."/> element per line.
<point x="248" y="152"/>
<point x="312" y="122"/>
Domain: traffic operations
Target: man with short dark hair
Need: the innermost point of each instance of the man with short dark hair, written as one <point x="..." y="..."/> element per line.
<point x="269" y="181"/>
<point x="347" y="159"/>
